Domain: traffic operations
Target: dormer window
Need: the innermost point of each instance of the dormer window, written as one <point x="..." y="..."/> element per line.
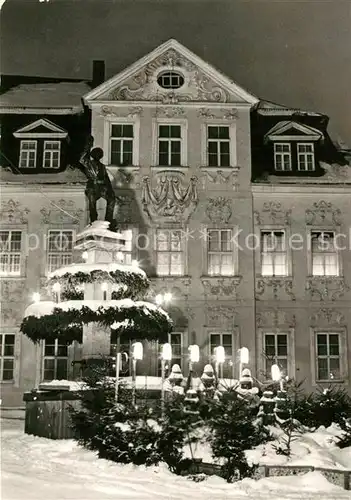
<point x="305" y="157"/>
<point x="282" y="157"/>
<point x="28" y="154"/>
<point x="51" y="155"/>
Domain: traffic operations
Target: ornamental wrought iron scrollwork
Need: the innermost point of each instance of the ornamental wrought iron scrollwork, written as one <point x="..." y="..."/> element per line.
<point x="322" y="213"/>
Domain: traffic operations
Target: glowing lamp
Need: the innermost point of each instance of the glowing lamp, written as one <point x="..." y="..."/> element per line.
<point x="219" y="354"/>
<point x="56" y="287"/>
<point x="36" y="297"/>
<point x="244" y="355"/>
<point x="276" y="374"/>
<point x="85" y="255"/>
<point x="166" y="353"/>
<point x="137" y="351"/>
<point x="167" y="297"/>
<point x="104" y="287"/>
<point x="135" y="263"/>
<point x="194" y="353"/>
<point x="159" y="299"/>
<point x="120" y="256"/>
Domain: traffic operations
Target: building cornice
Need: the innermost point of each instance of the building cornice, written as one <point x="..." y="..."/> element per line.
<point x="18" y="188"/>
<point x="183" y="104"/>
<point x="39" y="111"/>
<point x="300" y="189"/>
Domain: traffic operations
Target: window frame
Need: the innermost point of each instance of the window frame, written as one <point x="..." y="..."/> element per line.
<point x="182" y="252"/>
<point x="232" y="142"/>
<point x="281" y="154"/>
<point x="311" y="254"/>
<point x="343" y="350"/>
<point x="47" y="249"/>
<point x="232" y="251"/>
<point x="183" y="141"/>
<point x="58" y="150"/>
<point x="54" y="357"/>
<point x="218" y="142"/>
<point x="261" y="358"/>
<point x="113" y="120"/>
<point x="181" y="357"/>
<point x="285" y="252"/>
<point x="22" y="150"/>
<point x="305" y="155"/>
<point x="13" y="357"/>
<point x="20" y="253"/>
<point x="231" y="357"/>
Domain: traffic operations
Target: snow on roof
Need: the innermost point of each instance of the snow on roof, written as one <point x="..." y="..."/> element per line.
<point x="63" y="95"/>
<point x="44" y="308"/>
<point x="269" y="107"/>
<point x="84" y="267"/>
<point x="69" y="176"/>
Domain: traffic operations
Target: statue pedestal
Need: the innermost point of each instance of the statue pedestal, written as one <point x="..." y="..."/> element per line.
<point x="101" y="247"/>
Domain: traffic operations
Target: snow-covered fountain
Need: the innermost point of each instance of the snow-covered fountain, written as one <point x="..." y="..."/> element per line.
<point x="90" y="298"/>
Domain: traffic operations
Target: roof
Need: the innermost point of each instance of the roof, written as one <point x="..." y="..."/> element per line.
<point x="55" y="98"/>
<point x="272" y="108"/>
<point x="69" y="176"/>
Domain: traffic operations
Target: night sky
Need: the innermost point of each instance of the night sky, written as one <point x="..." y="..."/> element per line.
<point x="297" y="53"/>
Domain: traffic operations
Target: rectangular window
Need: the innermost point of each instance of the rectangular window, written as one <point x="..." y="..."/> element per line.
<point x="325" y="260"/>
<point x="28" y="154"/>
<point x="218" y="146"/>
<point x="273" y="254"/>
<point x="55" y="361"/>
<point x="169" y="145"/>
<point x="169" y="252"/>
<point x="305" y="157"/>
<point x="7" y="357"/>
<point x="220" y="252"/>
<point x="328" y="356"/>
<point x="10" y="253"/>
<point x="60" y="248"/>
<point x="282" y="157"/>
<point x="51" y="154"/>
<point x="121" y="144"/>
<point x="176" y="341"/>
<point x="225" y="340"/>
<point x="276" y="352"/>
<point x="127" y="235"/>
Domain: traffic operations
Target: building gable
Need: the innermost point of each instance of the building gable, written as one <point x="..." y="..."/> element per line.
<point x="200" y="82"/>
<point x="41" y="128"/>
<point x="290" y="130"/>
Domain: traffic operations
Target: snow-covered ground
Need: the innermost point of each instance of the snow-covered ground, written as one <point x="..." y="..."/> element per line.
<point x="34" y="468"/>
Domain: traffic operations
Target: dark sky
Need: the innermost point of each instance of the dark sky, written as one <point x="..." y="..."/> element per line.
<point x="293" y="52"/>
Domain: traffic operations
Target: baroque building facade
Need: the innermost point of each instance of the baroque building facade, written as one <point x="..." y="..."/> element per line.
<point x="238" y="207"/>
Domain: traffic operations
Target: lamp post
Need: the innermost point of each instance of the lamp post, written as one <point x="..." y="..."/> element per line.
<point x="40" y="347"/>
<point x="118" y="369"/>
<point x="166" y="355"/>
<point x="219" y="353"/>
<point x="137" y="355"/>
<point x="244" y="359"/>
<point x="104" y="288"/>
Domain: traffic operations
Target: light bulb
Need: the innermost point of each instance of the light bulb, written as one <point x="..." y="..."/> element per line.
<point x="159" y="299"/>
<point x="276" y="374"/>
<point x="56" y="287"/>
<point x="167" y="297"/>
<point x="220" y="354"/>
<point x="135" y="263"/>
<point x="194" y="353"/>
<point x="137" y="350"/>
<point x="104" y="287"/>
<point x="244" y="355"/>
<point x="166" y="353"/>
<point x="85" y="255"/>
<point x="36" y="297"/>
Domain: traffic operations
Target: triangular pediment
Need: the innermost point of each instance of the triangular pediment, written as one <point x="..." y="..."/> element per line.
<point x="41" y="128"/>
<point x="293" y="130"/>
<point x="201" y="82"/>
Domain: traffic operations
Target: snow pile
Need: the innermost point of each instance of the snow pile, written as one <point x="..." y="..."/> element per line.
<point x="67" y="385"/>
<point x="317" y="449"/>
<point x="35" y="468"/>
<point x="84" y="267"/>
<point x="44" y="308"/>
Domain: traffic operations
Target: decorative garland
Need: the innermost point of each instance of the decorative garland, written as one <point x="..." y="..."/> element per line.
<point x="136" y="285"/>
<point x="67" y="325"/>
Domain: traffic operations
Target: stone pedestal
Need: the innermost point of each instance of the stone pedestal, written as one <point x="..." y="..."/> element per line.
<point x="101" y="247"/>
